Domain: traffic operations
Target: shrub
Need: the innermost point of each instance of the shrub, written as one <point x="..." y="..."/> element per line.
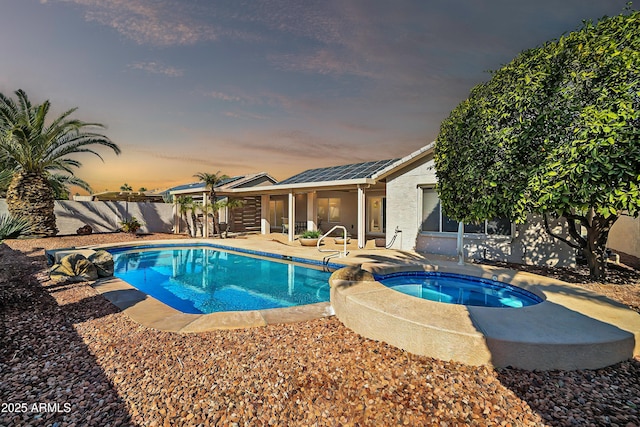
<point x="310" y="234"/>
<point x="11" y="227"/>
<point x="131" y="225"/>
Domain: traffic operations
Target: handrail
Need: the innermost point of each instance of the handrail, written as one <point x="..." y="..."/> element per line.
<point x="339" y="253"/>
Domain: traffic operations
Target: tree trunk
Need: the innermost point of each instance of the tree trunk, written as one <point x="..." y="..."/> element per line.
<point x="216" y="226"/>
<point x="214" y="213"/>
<point x="194" y="221"/>
<point x="31" y="196"/>
<point x="595" y="251"/>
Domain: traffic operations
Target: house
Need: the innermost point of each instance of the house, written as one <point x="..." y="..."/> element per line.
<point x="394" y="199"/>
<point x="351" y="196"/>
<point x="242" y="219"/>
<point x="414" y="208"/>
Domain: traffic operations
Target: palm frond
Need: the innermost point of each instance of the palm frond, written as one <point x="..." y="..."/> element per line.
<point x="60" y="184"/>
<point x="5" y="179"/>
<point x="33" y="146"/>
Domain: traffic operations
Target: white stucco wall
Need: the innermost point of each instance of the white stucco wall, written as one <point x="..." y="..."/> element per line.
<point x="625" y="236"/>
<point x="105" y="217"/>
<point x="403" y="210"/>
<point x="529" y="244"/>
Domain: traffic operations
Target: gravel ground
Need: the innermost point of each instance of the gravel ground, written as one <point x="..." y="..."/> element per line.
<point x="83" y="363"/>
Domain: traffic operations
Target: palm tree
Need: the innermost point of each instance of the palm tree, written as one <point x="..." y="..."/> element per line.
<point x="186" y="205"/>
<point x="125" y="187"/>
<point x="211" y="181"/>
<point x="37" y="149"/>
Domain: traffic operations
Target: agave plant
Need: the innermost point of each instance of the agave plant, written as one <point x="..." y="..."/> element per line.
<point x="12" y="227"/>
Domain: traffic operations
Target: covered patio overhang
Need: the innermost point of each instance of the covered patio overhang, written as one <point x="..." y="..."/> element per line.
<point x="311" y="190"/>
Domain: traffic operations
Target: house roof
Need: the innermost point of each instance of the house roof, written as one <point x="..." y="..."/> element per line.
<point x="239" y="181"/>
<point x="339" y="173"/>
<point x="341" y="177"/>
<point x="403" y="162"/>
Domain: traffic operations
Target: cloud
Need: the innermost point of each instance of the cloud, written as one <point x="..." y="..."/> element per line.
<point x="224" y="96"/>
<point x="284" y="145"/>
<point x="243" y="115"/>
<point x="322" y="61"/>
<point x="210" y="161"/>
<point x="154" y="22"/>
<point x="240" y="96"/>
<point x="157" y="68"/>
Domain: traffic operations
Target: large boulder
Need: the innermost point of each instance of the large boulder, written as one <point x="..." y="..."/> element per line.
<point x="75" y="268"/>
<point x="103" y="261"/>
<point x="84" y="230"/>
<point x="352" y="273"/>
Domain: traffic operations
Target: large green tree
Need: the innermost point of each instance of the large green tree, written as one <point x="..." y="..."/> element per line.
<point x="211" y="181"/>
<point x="41" y="151"/>
<point x="554" y="132"/>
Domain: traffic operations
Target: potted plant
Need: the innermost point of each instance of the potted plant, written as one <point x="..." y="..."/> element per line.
<point x="309" y="238"/>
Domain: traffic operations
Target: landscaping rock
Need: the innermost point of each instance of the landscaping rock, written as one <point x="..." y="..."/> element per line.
<point x="352" y="274"/>
<point x="103" y="261"/>
<point x="84" y="231"/>
<point x="75" y="268"/>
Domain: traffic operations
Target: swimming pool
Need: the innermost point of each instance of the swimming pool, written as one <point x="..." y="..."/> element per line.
<point x="201" y="280"/>
<point x="459" y="289"/>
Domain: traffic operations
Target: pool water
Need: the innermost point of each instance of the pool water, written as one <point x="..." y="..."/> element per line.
<point x="459" y="289"/>
<point x="203" y="280"/>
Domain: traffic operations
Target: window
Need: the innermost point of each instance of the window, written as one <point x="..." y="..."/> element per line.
<point x="329" y="209"/>
<point x="276" y="212"/>
<point x="434" y="220"/>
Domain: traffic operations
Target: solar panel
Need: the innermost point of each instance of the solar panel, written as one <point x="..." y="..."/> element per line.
<point x="338" y="173"/>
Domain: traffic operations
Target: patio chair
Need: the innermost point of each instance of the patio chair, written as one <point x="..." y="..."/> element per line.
<point x="285" y="225"/>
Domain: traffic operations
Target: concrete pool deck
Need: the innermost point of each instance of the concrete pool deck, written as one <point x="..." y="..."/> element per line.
<point x="572" y="329"/>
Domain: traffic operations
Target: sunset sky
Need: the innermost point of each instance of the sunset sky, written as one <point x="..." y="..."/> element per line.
<point x="187" y="86"/>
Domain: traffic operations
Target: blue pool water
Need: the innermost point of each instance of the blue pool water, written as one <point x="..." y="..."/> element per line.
<point x="204" y="280"/>
<point x="459" y="289"/>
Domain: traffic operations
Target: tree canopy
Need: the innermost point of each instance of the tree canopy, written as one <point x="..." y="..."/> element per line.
<point x="36" y="145"/>
<point x="29" y="143"/>
<point x="555" y="131"/>
<point x="39" y="153"/>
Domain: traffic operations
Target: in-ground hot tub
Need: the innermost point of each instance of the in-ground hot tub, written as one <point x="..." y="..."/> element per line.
<point x="571" y="328"/>
<point x="451" y="288"/>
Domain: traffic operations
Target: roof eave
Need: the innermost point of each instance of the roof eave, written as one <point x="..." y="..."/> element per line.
<point x="405" y="161"/>
<point x="305" y="186"/>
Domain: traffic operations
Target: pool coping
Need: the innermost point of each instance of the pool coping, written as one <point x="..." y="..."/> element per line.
<point x="150" y="312"/>
<point x="572" y="328"/>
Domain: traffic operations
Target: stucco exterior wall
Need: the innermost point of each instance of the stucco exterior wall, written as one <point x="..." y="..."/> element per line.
<point x="403" y="210"/>
<point x="348" y="211"/>
<point x="625" y="236"/>
<point x="529" y="243"/>
<point x="105" y="217"/>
